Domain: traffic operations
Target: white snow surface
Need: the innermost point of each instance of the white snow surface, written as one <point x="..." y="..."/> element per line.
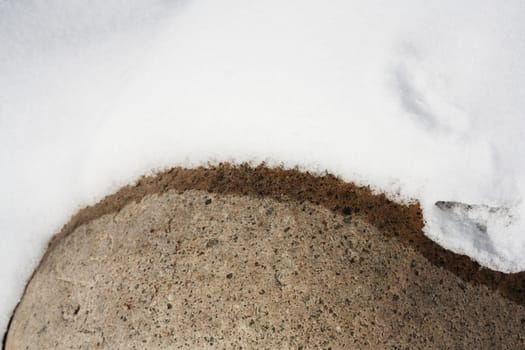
<point x="424" y="100"/>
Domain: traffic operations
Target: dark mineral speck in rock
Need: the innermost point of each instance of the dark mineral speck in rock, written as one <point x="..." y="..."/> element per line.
<point x="229" y="276"/>
<point x="212" y="243"/>
<point x="347" y="210"/>
<point x="208" y="201"/>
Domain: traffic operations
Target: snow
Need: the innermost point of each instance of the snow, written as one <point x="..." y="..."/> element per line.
<point x="423" y="100"/>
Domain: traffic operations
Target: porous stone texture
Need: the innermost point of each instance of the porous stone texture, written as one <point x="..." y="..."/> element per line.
<point x="195" y="270"/>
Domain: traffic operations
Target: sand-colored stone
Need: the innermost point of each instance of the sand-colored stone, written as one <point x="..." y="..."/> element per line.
<point x="195" y="270"/>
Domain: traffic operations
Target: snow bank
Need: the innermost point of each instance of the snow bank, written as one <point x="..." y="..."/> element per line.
<point x="424" y="100"/>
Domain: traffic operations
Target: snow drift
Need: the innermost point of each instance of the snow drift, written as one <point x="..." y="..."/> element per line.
<point x="423" y="100"/>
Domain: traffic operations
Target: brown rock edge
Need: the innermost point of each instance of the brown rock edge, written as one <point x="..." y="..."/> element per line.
<point x="402" y="222"/>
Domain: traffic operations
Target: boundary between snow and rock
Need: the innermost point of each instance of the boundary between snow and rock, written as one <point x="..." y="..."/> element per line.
<point x="397" y="221"/>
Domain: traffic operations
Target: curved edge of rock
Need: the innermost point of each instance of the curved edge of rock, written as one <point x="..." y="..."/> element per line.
<point x="396" y="224"/>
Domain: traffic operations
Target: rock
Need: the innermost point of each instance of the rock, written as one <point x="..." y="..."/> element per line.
<point x="154" y="275"/>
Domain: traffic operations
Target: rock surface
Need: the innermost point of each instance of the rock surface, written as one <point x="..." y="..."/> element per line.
<point x="195" y="270"/>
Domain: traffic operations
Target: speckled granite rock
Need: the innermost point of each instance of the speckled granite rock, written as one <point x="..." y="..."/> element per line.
<point x="195" y="270"/>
